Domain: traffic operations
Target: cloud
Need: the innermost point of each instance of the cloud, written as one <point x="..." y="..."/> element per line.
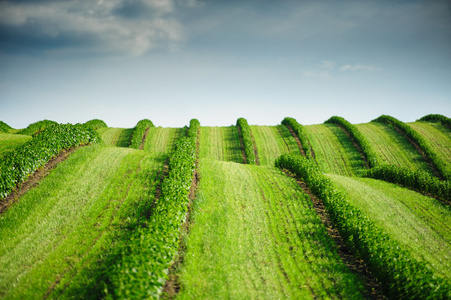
<point x="326" y="64"/>
<point x="358" y="67"/>
<point x="117" y="27"/>
<point x="316" y="74"/>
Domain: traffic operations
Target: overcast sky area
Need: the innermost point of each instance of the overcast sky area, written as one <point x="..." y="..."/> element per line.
<point x="174" y="60"/>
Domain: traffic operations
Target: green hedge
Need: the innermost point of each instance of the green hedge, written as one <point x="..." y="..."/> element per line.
<point x="16" y="166"/>
<point x="4" y="127"/>
<point x="142" y="270"/>
<point x="95" y="124"/>
<point x="437" y="118"/>
<point x="37" y="127"/>
<point x="358" y="137"/>
<point x="138" y="133"/>
<point x="401" y="276"/>
<point x="247" y="140"/>
<point x="299" y="130"/>
<point x="418" y="139"/>
<point x="419" y="180"/>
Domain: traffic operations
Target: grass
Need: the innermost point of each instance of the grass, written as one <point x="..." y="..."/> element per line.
<point x="220" y="143"/>
<point x="254" y="235"/>
<point x="272" y="141"/>
<point x="391" y="147"/>
<point x="333" y="150"/>
<point x="439" y="139"/>
<point x="161" y="140"/>
<point x="119" y="137"/>
<point x="9" y="142"/>
<point x="419" y="223"/>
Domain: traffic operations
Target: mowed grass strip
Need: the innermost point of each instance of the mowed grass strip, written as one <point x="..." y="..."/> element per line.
<point x="439" y="139"/>
<point x="119" y="137"/>
<point x="9" y="142"/>
<point x="391" y="147"/>
<point x="272" y="141"/>
<point x="162" y="139"/>
<point x="255" y="235"/>
<point x="71" y="219"/>
<point x="333" y="150"/>
<point x="418" y="222"/>
<point x="220" y="143"/>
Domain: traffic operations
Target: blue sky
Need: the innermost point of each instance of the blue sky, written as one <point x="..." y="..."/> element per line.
<point x="174" y="60"/>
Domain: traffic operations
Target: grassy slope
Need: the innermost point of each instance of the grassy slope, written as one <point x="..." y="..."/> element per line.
<point x="273" y="141"/>
<point x="220" y="143"/>
<point x="333" y="150"/>
<point x="119" y="137"/>
<point x="419" y="223"/>
<point x="68" y="222"/>
<point x="161" y="140"/>
<point x="254" y="235"/>
<point x="392" y="148"/>
<point x="439" y="139"/>
<point x="9" y="142"/>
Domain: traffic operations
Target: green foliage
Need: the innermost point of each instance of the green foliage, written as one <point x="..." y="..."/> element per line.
<point x="16" y="166"/>
<point x="437" y="118"/>
<point x="37" y="127"/>
<point x="419" y="180"/>
<point x="142" y="270"/>
<point x="418" y="139"/>
<point x="400" y="274"/>
<point x="299" y="130"/>
<point x="4" y="127"/>
<point x="358" y="137"/>
<point x="95" y="124"/>
<point x="246" y="136"/>
<point x="138" y="133"/>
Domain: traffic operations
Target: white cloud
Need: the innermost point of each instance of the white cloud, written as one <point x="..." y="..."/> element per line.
<point x="358" y="67"/>
<point x="326" y="64"/>
<point x="316" y="74"/>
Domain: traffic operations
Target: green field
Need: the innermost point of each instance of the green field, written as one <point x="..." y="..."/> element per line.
<point x="392" y="148"/>
<point x="9" y="142"/>
<point x="119" y="137"/>
<point x="161" y="140"/>
<point x="220" y="143"/>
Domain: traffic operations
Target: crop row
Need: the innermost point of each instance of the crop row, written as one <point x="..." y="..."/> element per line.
<point x="419" y="180"/>
<point x="138" y="133"/>
<point x="367" y="151"/>
<point x="37" y="127"/>
<point x="246" y="136"/>
<point x="95" y="124"/>
<point x="142" y="271"/>
<point x="16" y="166"/>
<point x="299" y="130"/>
<point x="4" y="127"/>
<point x="418" y="139"/>
<point x="437" y="118"/>
<point x="401" y="276"/>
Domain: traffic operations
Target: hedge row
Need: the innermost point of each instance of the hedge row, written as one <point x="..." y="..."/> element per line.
<point x="143" y="268"/>
<point x="95" y="124"/>
<point x="419" y="180"/>
<point x="401" y="276"/>
<point x="245" y="130"/>
<point x="16" y="166"/>
<point x="299" y="130"/>
<point x="358" y="137"/>
<point x="437" y="118"/>
<point x="4" y="127"/>
<point x="418" y="139"/>
<point x="138" y="133"/>
<point x="37" y="127"/>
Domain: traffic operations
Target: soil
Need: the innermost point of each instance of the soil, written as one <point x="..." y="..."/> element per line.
<point x="34" y="179"/>
<point x="356" y="145"/>
<point x="296" y="138"/>
<point x="257" y="159"/>
<point x="141" y="147"/>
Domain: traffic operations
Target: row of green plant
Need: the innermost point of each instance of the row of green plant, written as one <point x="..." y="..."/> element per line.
<point x="4" y="127"/>
<point x="142" y="270"/>
<point x="138" y="133"/>
<point x="437" y="118"/>
<point x="417" y="139"/>
<point x="419" y="180"/>
<point x="365" y="147"/>
<point x="16" y="166"/>
<point x="401" y="276"/>
<point x="37" y="127"/>
<point x="246" y="137"/>
<point x="95" y="124"/>
<point x="299" y="130"/>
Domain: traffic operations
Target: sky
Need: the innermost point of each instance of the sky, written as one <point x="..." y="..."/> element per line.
<point x="174" y="60"/>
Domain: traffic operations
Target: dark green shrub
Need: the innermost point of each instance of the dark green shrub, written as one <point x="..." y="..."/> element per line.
<point x="4" y="127"/>
<point x="246" y="136"/>
<point x="138" y="133"/>
<point x="37" y="127"/>
<point x="95" y="124"/>
<point x="299" y="130"/>
<point x="437" y="118"/>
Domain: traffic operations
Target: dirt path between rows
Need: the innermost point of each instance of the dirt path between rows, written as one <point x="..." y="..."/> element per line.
<point x="254" y="145"/>
<point x="296" y="138"/>
<point x="372" y="287"/>
<point x="356" y="145"/>
<point x="146" y="132"/>
<point x="34" y="179"/>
